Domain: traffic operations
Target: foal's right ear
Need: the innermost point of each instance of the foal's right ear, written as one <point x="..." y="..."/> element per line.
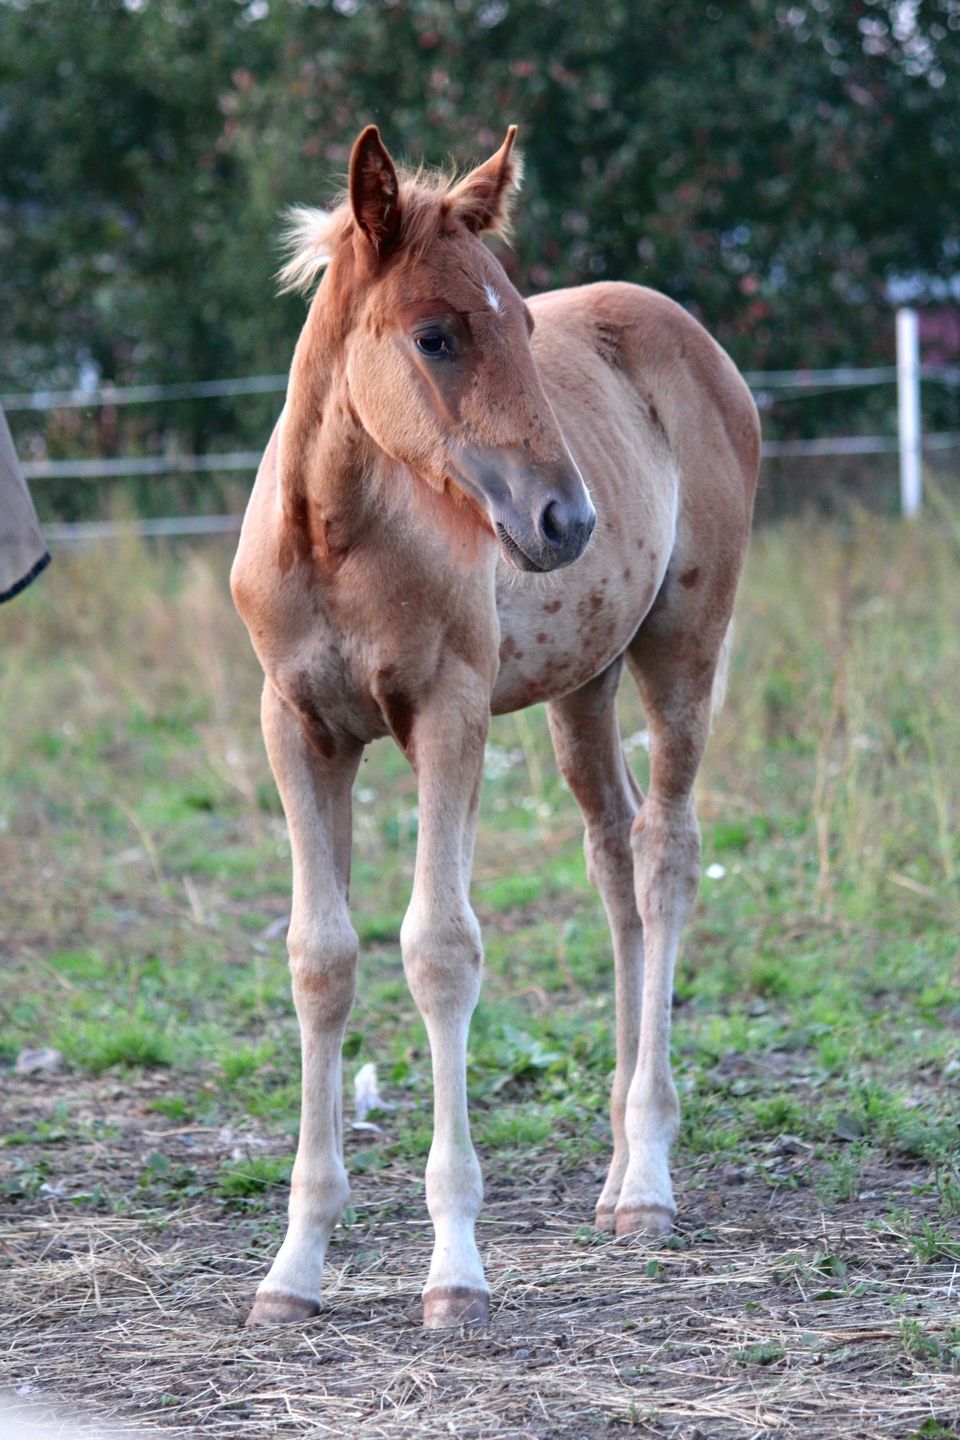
<point x="374" y="190"/>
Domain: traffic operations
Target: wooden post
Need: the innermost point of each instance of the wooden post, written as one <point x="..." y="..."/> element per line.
<point x="908" y="410"/>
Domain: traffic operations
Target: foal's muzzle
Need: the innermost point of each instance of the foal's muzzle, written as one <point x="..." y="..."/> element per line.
<point x="557" y="536"/>
<point x="542" y="514"/>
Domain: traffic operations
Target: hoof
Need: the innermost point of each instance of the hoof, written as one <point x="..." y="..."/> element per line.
<point x="605" y="1218"/>
<point x="279" y="1307"/>
<point x="451" y="1305"/>
<point x="645" y="1219"/>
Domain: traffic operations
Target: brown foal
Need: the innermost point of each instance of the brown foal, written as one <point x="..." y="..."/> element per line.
<point x="439" y="456"/>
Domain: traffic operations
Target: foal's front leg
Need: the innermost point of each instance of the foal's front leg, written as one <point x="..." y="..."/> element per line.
<point x="442" y="955"/>
<point x="315" y="790"/>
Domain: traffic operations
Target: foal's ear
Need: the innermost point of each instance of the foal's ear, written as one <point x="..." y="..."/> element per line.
<point x="374" y="190"/>
<point x="482" y="198"/>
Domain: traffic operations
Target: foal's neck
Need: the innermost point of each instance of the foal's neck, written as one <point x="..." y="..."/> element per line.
<point x="325" y="456"/>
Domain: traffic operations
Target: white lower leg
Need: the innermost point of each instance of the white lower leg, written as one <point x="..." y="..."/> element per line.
<point x="323" y="982"/>
<point x="319" y="1188"/>
<point x="443" y="968"/>
<point x="453" y="1182"/>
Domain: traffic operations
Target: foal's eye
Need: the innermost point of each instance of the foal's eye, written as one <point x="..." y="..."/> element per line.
<point x="433" y="343"/>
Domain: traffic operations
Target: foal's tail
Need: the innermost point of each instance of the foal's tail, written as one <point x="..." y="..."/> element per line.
<point x="719" y="692"/>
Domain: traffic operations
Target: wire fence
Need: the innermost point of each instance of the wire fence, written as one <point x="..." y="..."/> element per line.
<point x="768" y="387"/>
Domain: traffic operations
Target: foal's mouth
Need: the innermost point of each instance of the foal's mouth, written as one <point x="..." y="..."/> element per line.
<point x="513" y="552"/>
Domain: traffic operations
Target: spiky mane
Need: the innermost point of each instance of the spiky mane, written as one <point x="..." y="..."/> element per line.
<point x="311" y="236"/>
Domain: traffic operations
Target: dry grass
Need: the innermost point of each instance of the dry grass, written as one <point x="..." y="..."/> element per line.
<point x="742" y="1329"/>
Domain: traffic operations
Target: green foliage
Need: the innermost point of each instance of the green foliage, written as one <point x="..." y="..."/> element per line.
<point x="125" y="1042"/>
<point x="239" y="1062"/>
<point x="765" y="1352"/>
<point x="929" y="1350"/>
<point x="240" y="1179"/>
<point x="727" y="154"/>
<point x="929" y="1242"/>
<point x="517" y="1128"/>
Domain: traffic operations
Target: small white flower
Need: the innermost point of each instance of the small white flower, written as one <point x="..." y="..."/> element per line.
<point x="716" y="872"/>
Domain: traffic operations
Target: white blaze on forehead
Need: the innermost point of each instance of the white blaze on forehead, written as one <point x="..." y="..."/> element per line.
<point x="493" y="299"/>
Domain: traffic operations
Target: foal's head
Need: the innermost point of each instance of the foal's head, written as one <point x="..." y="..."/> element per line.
<point x="437" y="346"/>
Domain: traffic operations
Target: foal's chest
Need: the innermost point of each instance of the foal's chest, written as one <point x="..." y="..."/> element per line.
<point x="356" y="664"/>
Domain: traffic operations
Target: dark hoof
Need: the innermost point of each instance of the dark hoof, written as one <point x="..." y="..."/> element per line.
<point x="644" y="1220"/>
<point x="605" y="1218"/>
<point x="448" y="1306"/>
<point x="278" y="1307"/>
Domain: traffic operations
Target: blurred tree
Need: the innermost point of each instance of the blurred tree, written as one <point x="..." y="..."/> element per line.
<point x="772" y="166"/>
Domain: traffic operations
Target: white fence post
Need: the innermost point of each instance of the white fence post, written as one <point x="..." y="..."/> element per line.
<point x="908" y="410"/>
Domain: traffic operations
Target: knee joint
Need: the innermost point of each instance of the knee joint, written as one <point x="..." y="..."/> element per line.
<point x="666" y="853"/>
<point x="322" y="968"/>
<point x="606" y="849"/>
<point x="441" y="955"/>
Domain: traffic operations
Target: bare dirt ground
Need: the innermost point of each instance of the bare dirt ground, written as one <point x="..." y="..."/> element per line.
<point x="769" y="1315"/>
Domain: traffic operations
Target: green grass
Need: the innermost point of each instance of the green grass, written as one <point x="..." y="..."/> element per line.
<point x="240" y="1179"/>
<point x="127" y="1042"/>
<point x="766" y="1352"/>
<point x="818" y="985"/>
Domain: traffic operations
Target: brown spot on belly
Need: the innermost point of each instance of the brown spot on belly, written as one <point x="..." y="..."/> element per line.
<point x="542" y="638"/>
<point x="588" y="607"/>
<point x="552" y="606"/>
<point x="508" y="647"/>
<point x="690" y="577"/>
<point x="627" y="573"/>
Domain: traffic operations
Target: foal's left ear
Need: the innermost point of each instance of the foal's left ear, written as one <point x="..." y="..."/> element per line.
<point x="374" y="190"/>
<point x="482" y="198"/>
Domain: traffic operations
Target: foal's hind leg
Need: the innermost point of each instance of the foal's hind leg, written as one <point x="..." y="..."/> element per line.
<point x="674" y="670"/>
<point x="315" y="790"/>
<point x="586" y="739"/>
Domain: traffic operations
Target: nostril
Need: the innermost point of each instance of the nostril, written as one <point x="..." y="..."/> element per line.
<point x="551" y="527"/>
